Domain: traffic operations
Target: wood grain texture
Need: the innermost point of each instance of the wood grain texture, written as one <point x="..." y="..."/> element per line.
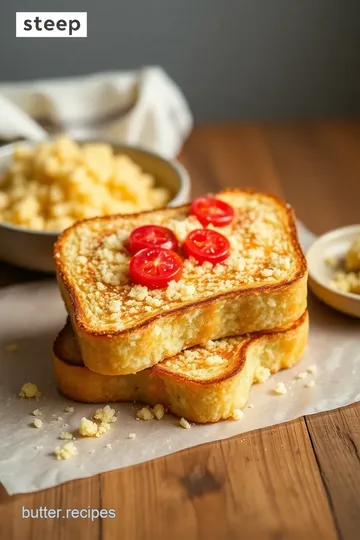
<point x="294" y="481"/>
<point x="252" y="486"/>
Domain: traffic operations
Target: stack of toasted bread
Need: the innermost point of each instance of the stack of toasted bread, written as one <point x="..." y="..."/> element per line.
<point x="197" y="342"/>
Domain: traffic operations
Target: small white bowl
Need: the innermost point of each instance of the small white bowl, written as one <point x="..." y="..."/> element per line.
<point x="33" y="249"/>
<point x="332" y="244"/>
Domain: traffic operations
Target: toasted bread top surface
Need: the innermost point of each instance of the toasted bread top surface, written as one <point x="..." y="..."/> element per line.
<point x="92" y="261"/>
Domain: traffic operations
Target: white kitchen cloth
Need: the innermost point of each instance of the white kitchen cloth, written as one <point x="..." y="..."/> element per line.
<point x="143" y="108"/>
<point x="32" y="314"/>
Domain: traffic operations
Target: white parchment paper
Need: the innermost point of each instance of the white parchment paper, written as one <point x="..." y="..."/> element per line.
<point x="31" y="315"/>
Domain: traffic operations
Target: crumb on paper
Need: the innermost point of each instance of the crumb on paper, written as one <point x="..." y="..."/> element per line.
<point x="302" y="375"/>
<point x="280" y="389"/>
<point x="36" y="412"/>
<point x="12" y="347"/>
<point x="159" y="411"/>
<point x="106" y="414"/>
<point x="39" y="447"/>
<point x="312" y="369"/>
<point x="100" y="425"/>
<point x="310" y="384"/>
<point x="69" y="409"/>
<point x="109" y="446"/>
<point x="29" y="390"/>
<point x="262" y="374"/>
<point x="251" y="406"/>
<point x="237" y="414"/>
<point x="184" y="423"/>
<point x="132" y="436"/>
<point x="145" y="414"/>
<point x="59" y="418"/>
<point x="67" y="436"/>
<point x="66" y="451"/>
<point x="37" y="423"/>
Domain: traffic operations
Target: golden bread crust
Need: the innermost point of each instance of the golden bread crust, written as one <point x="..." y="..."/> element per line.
<point x="186" y="386"/>
<point x="115" y="348"/>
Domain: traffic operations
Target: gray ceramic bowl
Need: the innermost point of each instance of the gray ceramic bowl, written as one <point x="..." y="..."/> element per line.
<point x="33" y="249"/>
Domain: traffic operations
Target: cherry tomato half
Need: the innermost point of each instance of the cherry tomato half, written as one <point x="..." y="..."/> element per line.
<point x="207" y="245"/>
<point x="155" y="267"/>
<point x="149" y="236"/>
<point x="210" y="210"/>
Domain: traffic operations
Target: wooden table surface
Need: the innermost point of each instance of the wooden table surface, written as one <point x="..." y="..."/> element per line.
<point x="299" y="480"/>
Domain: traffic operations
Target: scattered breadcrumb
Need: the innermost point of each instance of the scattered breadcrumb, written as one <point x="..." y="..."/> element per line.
<point x="66" y="451"/>
<point x="59" y="418"/>
<point x="159" y="411"/>
<point x="132" y="436"/>
<point x="262" y="374"/>
<point x="312" y="369"/>
<point x="237" y="414"/>
<point x="251" y="406"/>
<point x="37" y="423"/>
<point x="36" y="412"/>
<point x="69" y="409"/>
<point x="106" y="414"/>
<point x="184" y="423"/>
<point x="12" y="347"/>
<point x="301" y="375"/>
<point x="100" y="424"/>
<point x="39" y="447"/>
<point x="29" y="390"/>
<point x="280" y="388"/>
<point x="109" y="446"/>
<point x="145" y="414"/>
<point x="310" y="384"/>
<point x="88" y="428"/>
<point x="67" y="436"/>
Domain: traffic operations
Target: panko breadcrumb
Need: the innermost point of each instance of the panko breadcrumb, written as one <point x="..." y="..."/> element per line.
<point x="66" y="451"/>
<point x="29" y="390"/>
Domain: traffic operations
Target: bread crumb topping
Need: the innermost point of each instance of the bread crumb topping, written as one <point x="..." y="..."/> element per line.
<point x="66" y="435"/>
<point x="100" y="424"/>
<point x="237" y="414"/>
<point x="66" y="451"/>
<point x="159" y="411"/>
<point x="184" y="423"/>
<point x="280" y="388"/>
<point x="69" y="409"/>
<point x="145" y="414"/>
<point x="29" y="390"/>
<point x="261" y="374"/>
<point x="261" y="253"/>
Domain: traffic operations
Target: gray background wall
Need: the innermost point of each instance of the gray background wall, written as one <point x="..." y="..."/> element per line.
<point x="233" y="58"/>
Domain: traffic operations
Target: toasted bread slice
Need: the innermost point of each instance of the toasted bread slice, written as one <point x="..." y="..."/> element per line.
<point x="123" y="328"/>
<point x="203" y="384"/>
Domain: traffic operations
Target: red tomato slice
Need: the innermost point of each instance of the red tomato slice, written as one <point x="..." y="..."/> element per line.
<point x="149" y="236"/>
<point x="155" y="267"/>
<point x="207" y="245"/>
<point x="210" y="210"/>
